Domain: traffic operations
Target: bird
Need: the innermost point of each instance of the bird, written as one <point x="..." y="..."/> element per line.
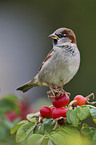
<point x="61" y="63"/>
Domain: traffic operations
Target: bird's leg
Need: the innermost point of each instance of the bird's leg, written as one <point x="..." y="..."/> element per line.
<point x="53" y="92"/>
<point x="64" y="92"/>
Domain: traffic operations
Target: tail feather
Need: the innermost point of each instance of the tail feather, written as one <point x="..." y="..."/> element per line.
<point x="28" y="85"/>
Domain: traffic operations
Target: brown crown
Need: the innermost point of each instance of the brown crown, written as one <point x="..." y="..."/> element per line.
<point x="69" y="33"/>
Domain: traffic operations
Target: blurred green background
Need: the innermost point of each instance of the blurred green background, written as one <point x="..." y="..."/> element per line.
<point x="24" y="42"/>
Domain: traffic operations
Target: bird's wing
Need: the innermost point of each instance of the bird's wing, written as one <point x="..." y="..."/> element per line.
<point x="47" y="57"/>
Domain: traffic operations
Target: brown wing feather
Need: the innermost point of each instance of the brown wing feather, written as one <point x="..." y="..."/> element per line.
<point x="47" y="57"/>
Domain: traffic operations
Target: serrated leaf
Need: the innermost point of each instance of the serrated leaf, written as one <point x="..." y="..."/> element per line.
<point x="91" y="106"/>
<point x="58" y="138"/>
<point x="93" y="112"/>
<point x="82" y="112"/>
<point x="24" y="131"/>
<point x="71" y="130"/>
<point x="35" y="139"/>
<point x="40" y="129"/>
<point x="90" y="136"/>
<point x="85" y="131"/>
<point x="30" y="116"/>
<point x="74" y="118"/>
<point x="15" y="128"/>
<point x="33" y="115"/>
<point x="68" y="116"/>
<point x="48" y="125"/>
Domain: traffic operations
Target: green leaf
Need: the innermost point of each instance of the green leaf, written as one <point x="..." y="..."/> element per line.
<point x="9" y="125"/>
<point x="74" y="118"/>
<point x="30" y="116"/>
<point x="58" y="138"/>
<point x="15" y="128"/>
<point x="85" y="131"/>
<point x="90" y="136"/>
<point x="85" y="125"/>
<point x="68" y="116"/>
<point x="82" y="112"/>
<point x="49" y="142"/>
<point x="5" y="106"/>
<point x="91" y="106"/>
<point x="48" y="125"/>
<point x="35" y="139"/>
<point x="93" y="112"/>
<point x="71" y="130"/>
<point x="2" y="117"/>
<point x="24" y="131"/>
<point x="8" y="103"/>
<point x="3" y="132"/>
<point x="45" y="141"/>
<point x="40" y="129"/>
<point x="94" y="120"/>
<point x="94" y="139"/>
<point x="10" y="97"/>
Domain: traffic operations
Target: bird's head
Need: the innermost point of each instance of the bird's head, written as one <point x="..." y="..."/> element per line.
<point x="63" y="35"/>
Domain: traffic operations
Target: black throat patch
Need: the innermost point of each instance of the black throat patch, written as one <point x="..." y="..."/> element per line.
<point x="55" y="41"/>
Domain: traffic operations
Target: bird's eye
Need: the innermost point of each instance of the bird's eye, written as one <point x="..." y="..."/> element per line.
<point x="61" y="35"/>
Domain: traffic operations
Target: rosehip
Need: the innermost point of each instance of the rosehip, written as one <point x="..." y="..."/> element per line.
<point x="61" y="101"/>
<point x="59" y="112"/>
<point x="80" y="100"/>
<point x="11" y="116"/>
<point x="24" y="109"/>
<point x="45" y="111"/>
<point x="53" y="108"/>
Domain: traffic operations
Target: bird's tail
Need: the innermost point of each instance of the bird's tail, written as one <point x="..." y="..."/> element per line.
<point x="29" y="85"/>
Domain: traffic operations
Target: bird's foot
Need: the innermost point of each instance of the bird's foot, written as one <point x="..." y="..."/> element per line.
<point x="53" y="93"/>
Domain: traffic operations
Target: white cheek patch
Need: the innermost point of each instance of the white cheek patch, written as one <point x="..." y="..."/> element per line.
<point x="63" y="40"/>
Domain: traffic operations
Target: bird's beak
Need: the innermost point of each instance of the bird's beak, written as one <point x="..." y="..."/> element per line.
<point x="53" y="36"/>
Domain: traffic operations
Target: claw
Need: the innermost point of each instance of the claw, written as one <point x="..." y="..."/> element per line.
<point x="53" y="93"/>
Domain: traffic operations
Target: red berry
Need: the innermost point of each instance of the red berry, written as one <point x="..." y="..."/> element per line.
<point x="24" y="109"/>
<point x="80" y="100"/>
<point x="61" y="101"/>
<point x="53" y="108"/>
<point x="46" y="112"/>
<point x="11" y="116"/>
<point x="59" y="112"/>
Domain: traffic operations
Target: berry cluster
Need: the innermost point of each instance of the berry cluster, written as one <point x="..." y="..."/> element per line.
<point x="61" y="105"/>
